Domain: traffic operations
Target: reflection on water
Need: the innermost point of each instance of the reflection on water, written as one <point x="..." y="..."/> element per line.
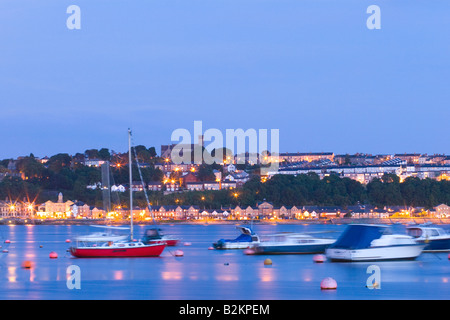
<point x="203" y="273"/>
<point x="267" y="274"/>
<point x="12" y="277"/>
<point x="171" y="275"/>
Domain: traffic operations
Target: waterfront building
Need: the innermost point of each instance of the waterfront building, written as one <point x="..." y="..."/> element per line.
<point x="59" y="210"/>
<point x="12" y="209"/>
<point x="442" y="211"/>
<point x="80" y="210"/>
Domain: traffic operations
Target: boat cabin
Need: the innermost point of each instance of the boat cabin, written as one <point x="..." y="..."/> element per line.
<point x="360" y="236"/>
<point x="422" y="232"/>
<point x="152" y="234"/>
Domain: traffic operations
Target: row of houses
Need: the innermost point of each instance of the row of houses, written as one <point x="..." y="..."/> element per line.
<point x="365" y="174"/>
<point x="266" y="210"/>
<point x="262" y="210"/>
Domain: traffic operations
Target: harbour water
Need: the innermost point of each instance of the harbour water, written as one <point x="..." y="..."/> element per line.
<point x="203" y="274"/>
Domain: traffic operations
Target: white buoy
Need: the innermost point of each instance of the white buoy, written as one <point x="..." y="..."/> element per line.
<point x="179" y="253"/>
<point x="328" y="284"/>
<point x="187" y="244"/>
<point x="319" y="258"/>
<point x="211" y="248"/>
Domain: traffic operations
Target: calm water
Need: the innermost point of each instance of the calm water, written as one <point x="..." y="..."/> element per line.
<point x="203" y="274"/>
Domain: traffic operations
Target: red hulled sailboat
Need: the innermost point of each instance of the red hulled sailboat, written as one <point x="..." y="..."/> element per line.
<point x="109" y="247"/>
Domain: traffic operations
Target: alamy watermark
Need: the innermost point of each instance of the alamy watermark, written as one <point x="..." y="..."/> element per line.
<point x="73" y="22"/>
<point x="374" y="280"/>
<point x="73" y="277"/>
<point x="250" y="146"/>
<point x="374" y="20"/>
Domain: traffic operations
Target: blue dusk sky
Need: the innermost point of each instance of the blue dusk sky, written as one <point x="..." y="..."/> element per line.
<point x="310" y="68"/>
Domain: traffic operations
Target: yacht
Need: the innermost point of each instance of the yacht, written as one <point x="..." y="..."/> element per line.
<point x="95" y="247"/>
<point x="366" y="242"/>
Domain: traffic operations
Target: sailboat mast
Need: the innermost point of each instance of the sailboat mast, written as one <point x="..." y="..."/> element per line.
<point x="130" y="164"/>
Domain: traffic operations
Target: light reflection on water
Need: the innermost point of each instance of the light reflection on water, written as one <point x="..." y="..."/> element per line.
<point x="203" y="273"/>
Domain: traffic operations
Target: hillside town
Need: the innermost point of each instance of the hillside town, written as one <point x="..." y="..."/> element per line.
<point x="231" y="174"/>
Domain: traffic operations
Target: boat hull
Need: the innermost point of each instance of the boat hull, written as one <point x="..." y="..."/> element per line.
<point x="171" y="242"/>
<point x="232" y="245"/>
<point x="399" y="252"/>
<point x="435" y="245"/>
<point x="290" y="249"/>
<point x="111" y="252"/>
<point x="168" y="242"/>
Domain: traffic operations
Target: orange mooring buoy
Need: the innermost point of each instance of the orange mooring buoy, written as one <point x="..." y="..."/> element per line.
<point x="53" y="255"/>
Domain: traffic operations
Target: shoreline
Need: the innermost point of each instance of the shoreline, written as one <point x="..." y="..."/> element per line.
<point x="336" y="221"/>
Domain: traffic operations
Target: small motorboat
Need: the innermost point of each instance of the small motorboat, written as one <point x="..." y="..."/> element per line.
<point x="246" y="239"/>
<point x="360" y="242"/>
<point x="292" y="243"/>
<point x="435" y="239"/>
<point x="154" y="235"/>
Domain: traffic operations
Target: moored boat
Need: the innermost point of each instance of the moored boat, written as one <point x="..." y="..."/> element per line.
<point x="246" y="239"/>
<point x="102" y="237"/>
<point x="361" y="242"/>
<point x="154" y="235"/>
<point x="435" y="239"/>
<point x="118" y="248"/>
<point x="292" y="243"/>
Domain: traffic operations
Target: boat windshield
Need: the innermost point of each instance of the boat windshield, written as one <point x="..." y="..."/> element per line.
<point x="414" y="232"/>
<point x="359" y="236"/>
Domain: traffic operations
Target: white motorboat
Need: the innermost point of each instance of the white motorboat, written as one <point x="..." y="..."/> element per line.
<point x="435" y="239"/>
<point x="246" y="239"/>
<point x="292" y="243"/>
<point x="361" y="242"/>
<point x="103" y="237"/>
